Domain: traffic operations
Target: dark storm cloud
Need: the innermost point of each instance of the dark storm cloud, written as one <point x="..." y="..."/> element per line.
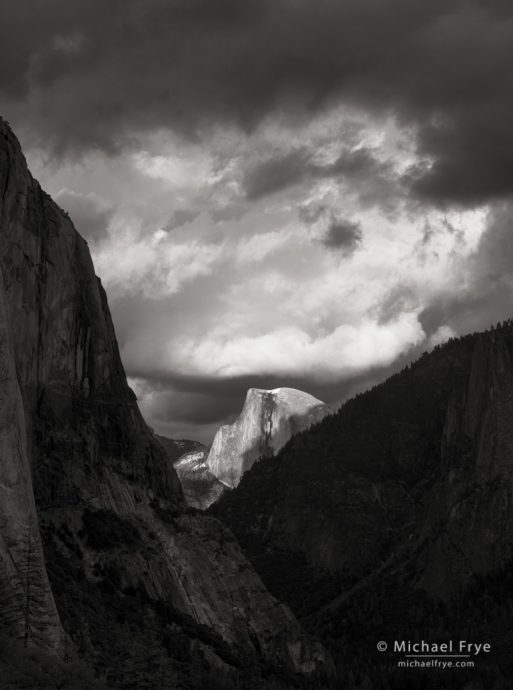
<point x="343" y="235"/>
<point x="90" y="216"/>
<point x="180" y="217"/>
<point x="93" y="73"/>
<point x="472" y="163"/>
<point x="277" y="173"/>
<point x="373" y="180"/>
<point x="199" y="408"/>
<point x="356" y="164"/>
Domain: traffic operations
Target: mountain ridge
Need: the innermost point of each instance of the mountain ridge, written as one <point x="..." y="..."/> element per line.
<point x="399" y="505"/>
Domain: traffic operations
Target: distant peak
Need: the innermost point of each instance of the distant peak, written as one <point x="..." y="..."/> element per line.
<point x="290" y="397"/>
<point x="267" y="421"/>
<point x="283" y="392"/>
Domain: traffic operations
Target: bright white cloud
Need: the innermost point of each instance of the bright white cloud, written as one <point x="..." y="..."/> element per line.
<point x="179" y="171"/>
<point x="291" y="351"/>
<point x="441" y="335"/>
<point x="259" y="247"/>
<point x="156" y="265"/>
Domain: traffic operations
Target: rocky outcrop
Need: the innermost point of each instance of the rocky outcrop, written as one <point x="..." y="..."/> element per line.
<point x="267" y="421"/>
<point x="176" y="448"/>
<point x="200" y="487"/>
<point x="128" y="568"/>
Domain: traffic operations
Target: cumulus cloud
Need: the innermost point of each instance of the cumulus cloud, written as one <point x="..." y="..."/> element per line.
<point x="291" y="351"/>
<point x="157" y="266"/>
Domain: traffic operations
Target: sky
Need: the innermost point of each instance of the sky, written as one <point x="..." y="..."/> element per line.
<point x="304" y="193"/>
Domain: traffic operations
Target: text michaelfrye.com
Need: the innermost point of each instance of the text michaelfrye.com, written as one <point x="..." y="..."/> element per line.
<point x="450" y="654"/>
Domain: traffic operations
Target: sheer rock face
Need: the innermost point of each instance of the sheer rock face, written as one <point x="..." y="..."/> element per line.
<point x="200" y="487"/>
<point x="267" y="421"/>
<point x="82" y="416"/>
<point x="472" y="499"/>
<point x="27" y="607"/>
<point x="90" y="450"/>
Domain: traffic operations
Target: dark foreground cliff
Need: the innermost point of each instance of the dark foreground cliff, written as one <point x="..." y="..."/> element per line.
<point x="393" y="518"/>
<point x="100" y="560"/>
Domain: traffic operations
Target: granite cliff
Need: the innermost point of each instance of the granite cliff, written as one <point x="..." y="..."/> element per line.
<point x="267" y="421"/>
<point x="200" y="487"/>
<point x="269" y="418"/>
<point x="27" y="607"/>
<point x="149" y="594"/>
<point x="470" y="501"/>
